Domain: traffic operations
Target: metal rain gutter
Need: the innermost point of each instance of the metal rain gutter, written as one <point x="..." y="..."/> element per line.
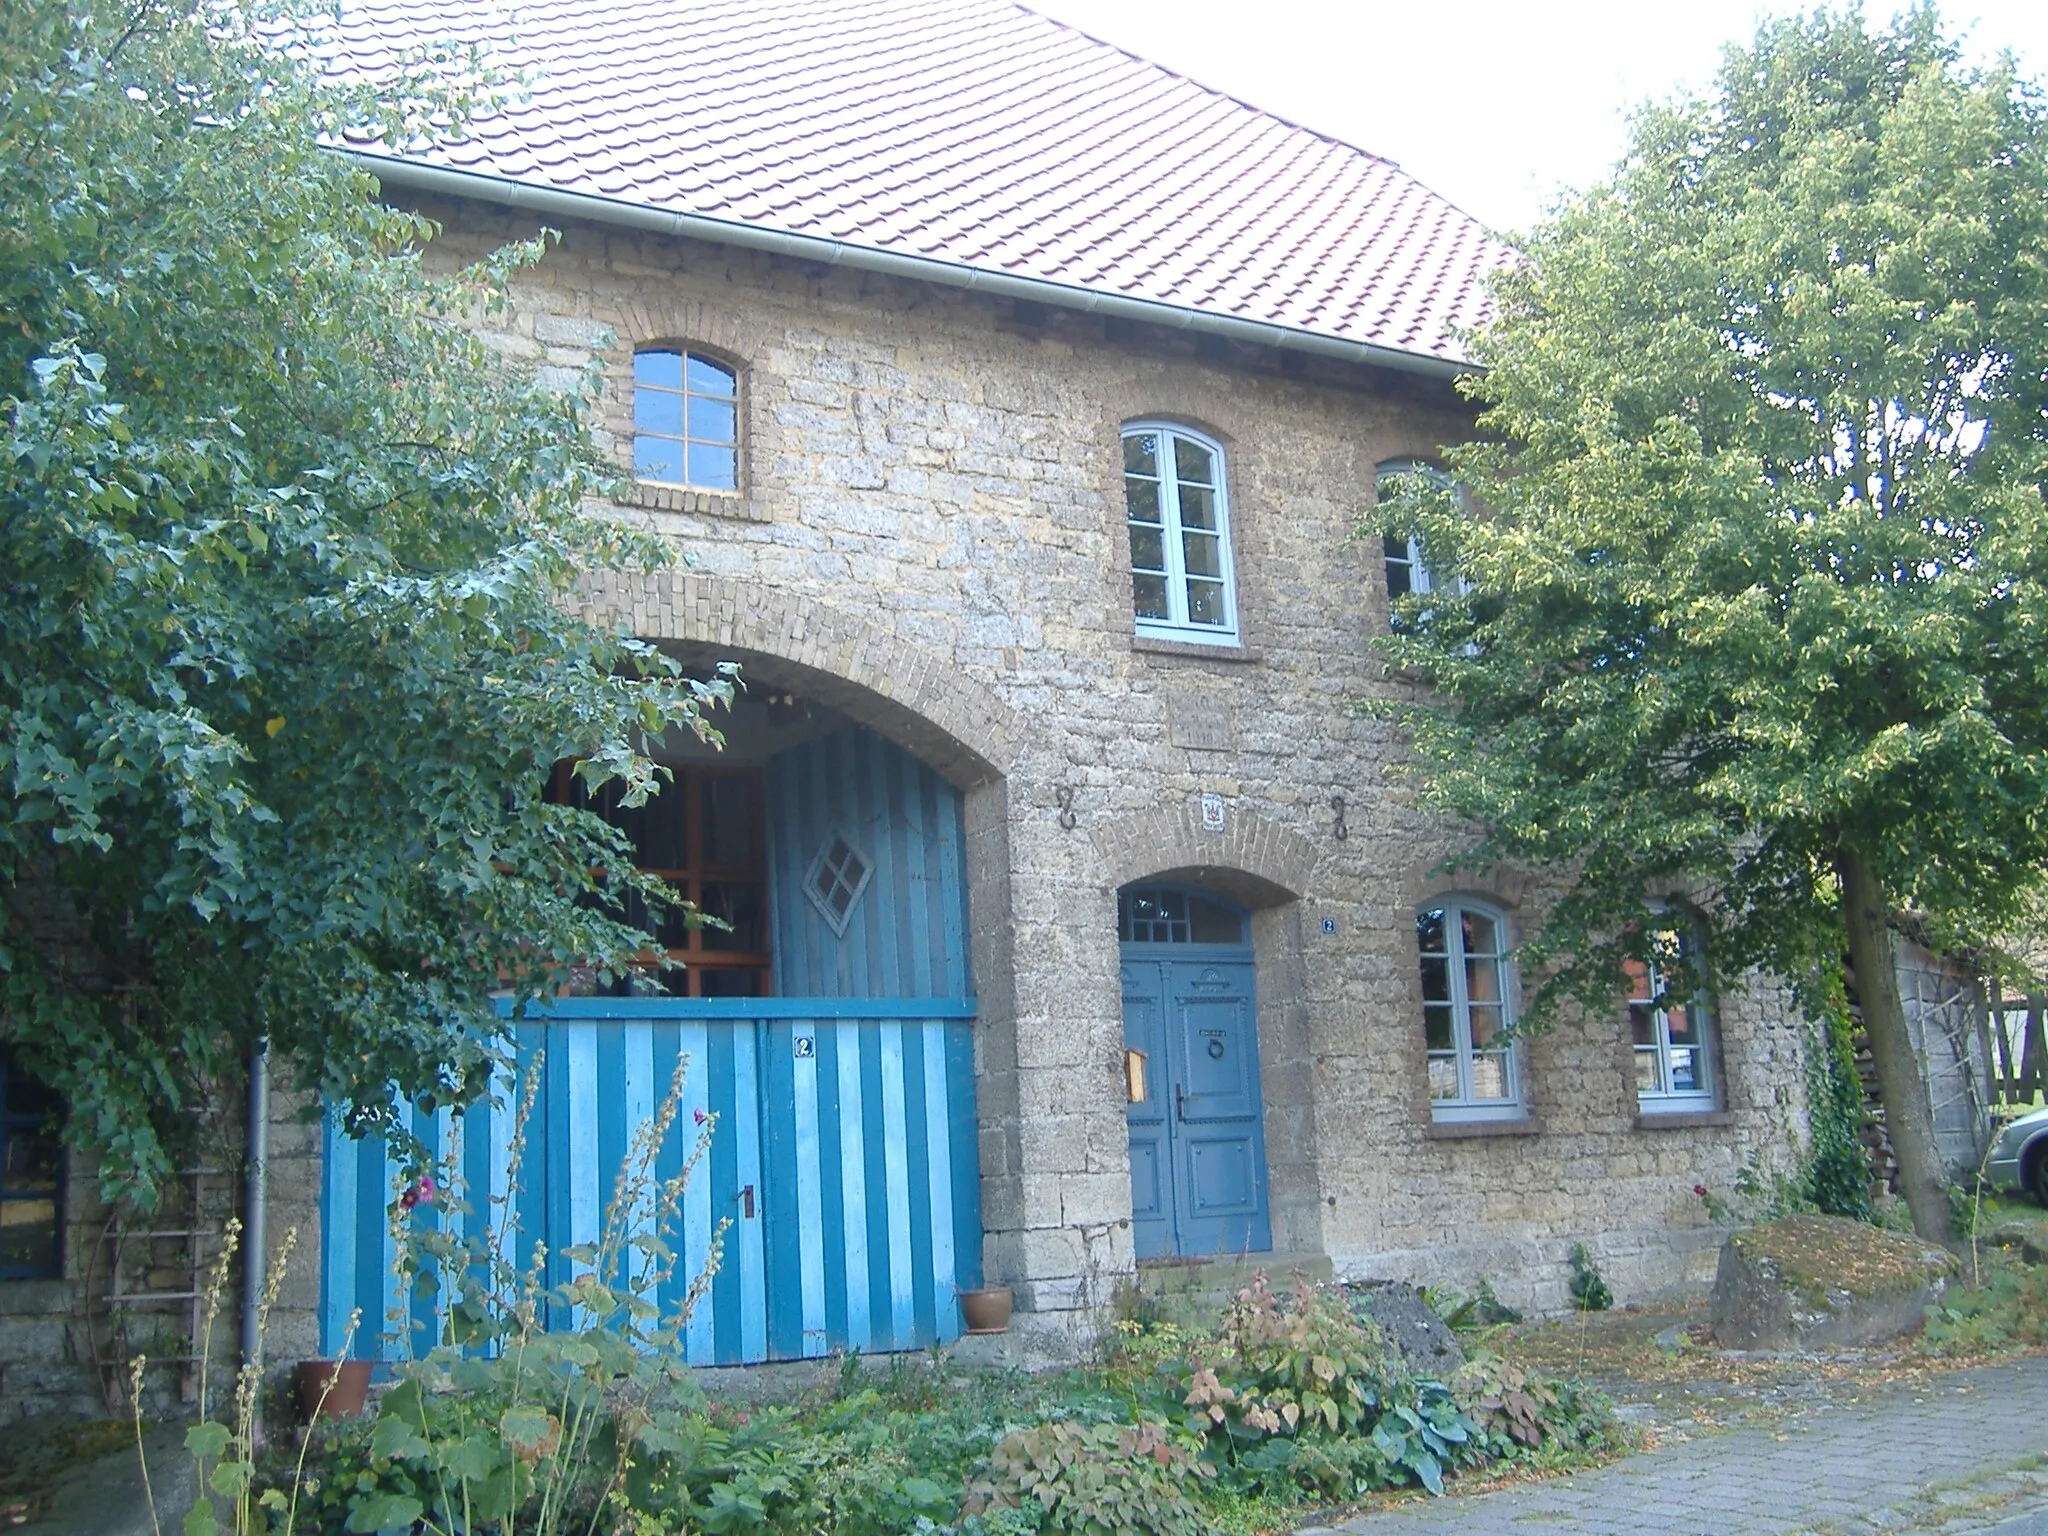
<point x="926" y="269"/>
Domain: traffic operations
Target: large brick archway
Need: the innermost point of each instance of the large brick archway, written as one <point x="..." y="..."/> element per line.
<point x="1259" y="861"/>
<point x="916" y="698"/>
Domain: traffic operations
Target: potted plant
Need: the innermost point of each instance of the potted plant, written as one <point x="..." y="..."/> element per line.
<point x="985" y="1310"/>
<point x="336" y="1389"/>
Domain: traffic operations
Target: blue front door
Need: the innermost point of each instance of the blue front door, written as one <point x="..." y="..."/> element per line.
<point x="1198" y="1146"/>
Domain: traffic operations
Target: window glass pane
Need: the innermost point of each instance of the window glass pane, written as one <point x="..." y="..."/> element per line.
<point x="1490" y="1077"/>
<point x="1197" y="508"/>
<point x="1485" y="1025"/>
<point x="1148" y="595"/>
<point x="1205" y="603"/>
<point x="656" y="410"/>
<point x="1148" y="548"/>
<point x="1686" y="1076"/>
<point x="660" y="839"/>
<point x="707" y="378"/>
<point x="1479" y="934"/>
<point x="1642" y="1024"/>
<point x="1141" y="500"/>
<point x="1436" y="979"/>
<point x="1429" y="931"/>
<point x="1647" y="1076"/>
<point x="1398" y="584"/>
<point x="28" y="1236"/>
<point x="1684" y="1024"/>
<point x="712" y="421"/>
<point x="1192" y="463"/>
<point x="739" y="904"/>
<point x="1141" y="453"/>
<point x="1443" y="1077"/>
<point x="729" y="822"/>
<point x="1482" y="981"/>
<point x="657" y="458"/>
<point x="1203" y="554"/>
<point x="722" y="982"/>
<point x="1436" y="1028"/>
<point x="713" y="467"/>
<point x="1211" y="922"/>
<point x="663" y="368"/>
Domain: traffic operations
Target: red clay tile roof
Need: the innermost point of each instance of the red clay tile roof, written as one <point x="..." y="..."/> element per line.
<point x="968" y="131"/>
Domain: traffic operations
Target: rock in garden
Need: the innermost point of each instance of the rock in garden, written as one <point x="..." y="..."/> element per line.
<point x="1824" y="1283"/>
<point x="1412" y="1328"/>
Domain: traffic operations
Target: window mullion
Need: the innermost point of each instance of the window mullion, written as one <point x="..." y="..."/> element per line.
<point x="1461" y="1002"/>
<point x="1169" y="509"/>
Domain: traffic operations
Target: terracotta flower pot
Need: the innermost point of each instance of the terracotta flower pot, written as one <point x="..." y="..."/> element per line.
<point x="986" y="1310"/>
<point x="346" y="1384"/>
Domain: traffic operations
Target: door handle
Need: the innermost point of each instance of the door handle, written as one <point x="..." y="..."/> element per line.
<point x="1180" y="1102"/>
<point x="747" y="1202"/>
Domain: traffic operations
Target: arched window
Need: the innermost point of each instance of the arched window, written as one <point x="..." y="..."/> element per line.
<point x="685" y="420"/>
<point x="1674" y="1071"/>
<point x="1164" y="915"/>
<point x="1182" y="586"/>
<point x="1406" y="570"/>
<point x="1467" y="1009"/>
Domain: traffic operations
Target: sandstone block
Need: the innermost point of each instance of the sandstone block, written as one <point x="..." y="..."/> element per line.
<point x="1821" y="1283"/>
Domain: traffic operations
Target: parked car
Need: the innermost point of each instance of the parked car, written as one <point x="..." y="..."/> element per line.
<point x="2020" y="1160"/>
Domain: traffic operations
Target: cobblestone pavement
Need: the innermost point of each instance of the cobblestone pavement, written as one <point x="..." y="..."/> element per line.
<point x="1964" y="1451"/>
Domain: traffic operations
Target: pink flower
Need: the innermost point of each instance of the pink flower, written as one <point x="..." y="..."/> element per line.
<point x="701" y="1116"/>
<point x="419" y="1192"/>
<point x="1700" y="1190"/>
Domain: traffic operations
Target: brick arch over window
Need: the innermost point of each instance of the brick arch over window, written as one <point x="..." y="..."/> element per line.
<point x="916" y="698"/>
<point x="1260" y="862"/>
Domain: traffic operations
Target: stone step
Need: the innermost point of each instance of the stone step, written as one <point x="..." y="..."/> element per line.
<point x="1218" y="1279"/>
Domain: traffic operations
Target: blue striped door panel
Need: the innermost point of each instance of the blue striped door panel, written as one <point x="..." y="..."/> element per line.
<point x="852" y="1124"/>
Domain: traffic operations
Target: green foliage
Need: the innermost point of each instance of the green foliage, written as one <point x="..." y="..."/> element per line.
<point x="2007" y="1311"/>
<point x="1589" y="1291"/>
<point x="1837" y="1172"/>
<point x="1097" y="1479"/>
<point x="285" y="653"/>
<point x="1757" y="603"/>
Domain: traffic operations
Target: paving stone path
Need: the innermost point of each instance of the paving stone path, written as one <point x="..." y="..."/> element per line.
<point x="1965" y="1451"/>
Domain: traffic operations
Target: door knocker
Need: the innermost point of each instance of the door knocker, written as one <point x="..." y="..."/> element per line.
<point x="1216" y="1049"/>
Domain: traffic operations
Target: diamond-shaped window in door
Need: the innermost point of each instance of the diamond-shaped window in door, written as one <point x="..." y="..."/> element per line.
<point x="838" y="876"/>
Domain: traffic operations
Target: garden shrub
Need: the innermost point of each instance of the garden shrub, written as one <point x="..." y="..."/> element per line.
<point x="1098" y="1479"/>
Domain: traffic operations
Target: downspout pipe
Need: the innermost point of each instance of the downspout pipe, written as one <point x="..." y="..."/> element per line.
<point x="553" y="202"/>
<point x="255" y="1192"/>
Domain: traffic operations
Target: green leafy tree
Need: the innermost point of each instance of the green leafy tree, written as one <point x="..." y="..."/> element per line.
<point x="1749" y="609"/>
<point x="285" y="648"/>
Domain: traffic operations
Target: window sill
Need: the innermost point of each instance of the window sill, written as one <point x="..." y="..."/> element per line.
<point x="1681" y="1119"/>
<point x="679" y="498"/>
<point x="1194" y="649"/>
<point x="1472" y="1130"/>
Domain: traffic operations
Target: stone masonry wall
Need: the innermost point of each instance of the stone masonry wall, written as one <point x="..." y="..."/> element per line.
<point x="932" y="484"/>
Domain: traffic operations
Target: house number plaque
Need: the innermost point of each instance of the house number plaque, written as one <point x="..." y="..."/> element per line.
<point x="806" y="1047"/>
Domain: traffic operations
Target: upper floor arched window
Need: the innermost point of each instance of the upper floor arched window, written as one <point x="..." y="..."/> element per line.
<point x="1182" y="583"/>
<point x="685" y="420"/>
<point x="1407" y="571"/>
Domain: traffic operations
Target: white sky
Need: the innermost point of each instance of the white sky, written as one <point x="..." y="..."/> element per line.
<point x="1492" y="103"/>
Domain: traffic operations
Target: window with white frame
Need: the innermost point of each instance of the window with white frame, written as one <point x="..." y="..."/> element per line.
<point x="1467" y="1009"/>
<point x="1674" y="1073"/>
<point x="1181" y="582"/>
<point x="685" y="420"/>
<point x="1406" y="570"/>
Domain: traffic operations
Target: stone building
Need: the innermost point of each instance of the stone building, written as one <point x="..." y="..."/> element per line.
<point x="1010" y="403"/>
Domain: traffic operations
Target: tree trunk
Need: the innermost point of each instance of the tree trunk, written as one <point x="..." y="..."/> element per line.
<point x="1908" y="1118"/>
